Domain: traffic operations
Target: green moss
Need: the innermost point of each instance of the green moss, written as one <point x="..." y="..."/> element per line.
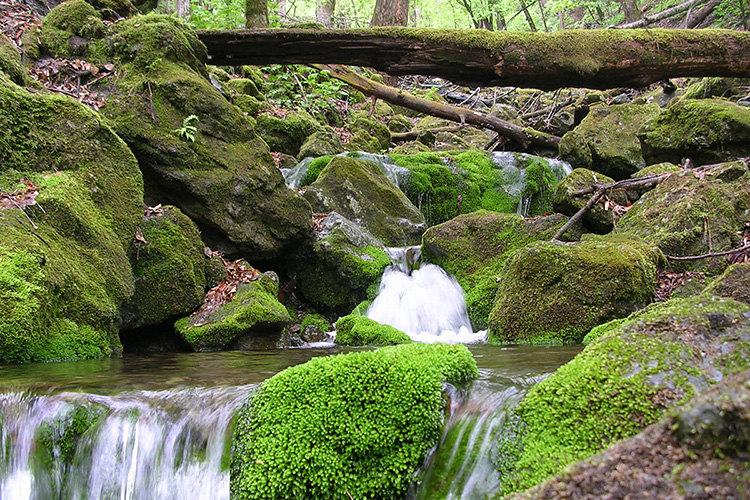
<point x="540" y="186"/>
<point x="347" y="426"/>
<point x="573" y="287"/>
<point x="656" y="169"/>
<point x="59" y="437"/>
<point x="621" y="382"/>
<point x="733" y="283"/>
<point x="475" y="247"/>
<point x="355" y="330"/>
<point x="287" y="135"/>
<point x="600" y="330"/>
<point x="254" y="308"/>
<point x="707" y="131"/>
<point x="74" y="18"/>
<point x="244" y="86"/>
<point x="315" y="320"/>
<point x="314" y="169"/>
<point x="10" y="61"/>
<point x="374" y="128"/>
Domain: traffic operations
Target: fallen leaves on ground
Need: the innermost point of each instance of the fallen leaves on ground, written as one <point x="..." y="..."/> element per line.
<point x="317" y="220"/>
<point x="73" y="77"/>
<point x="669" y="282"/>
<point x="20" y="198"/>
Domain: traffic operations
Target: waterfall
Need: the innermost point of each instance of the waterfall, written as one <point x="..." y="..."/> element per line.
<point x="397" y="175"/>
<point x="424" y="302"/>
<point x="140" y="445"/>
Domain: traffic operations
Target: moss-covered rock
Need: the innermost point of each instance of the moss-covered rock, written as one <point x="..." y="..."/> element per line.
<point x="733" y="283"/>
<point x="253" y="319"/>
<point x="342" y="267"/>
<point x="69" y="28"/>
<point x="225" y="180"/>
<point x="656" y="169"/>
<point x="348" y="426"/>
<point x="475" y="247"/>
<point x="696" y="451"/>
<point x="171" y="271"/>
<point x="356" y="330"/>
<point x="705" y="88"/>
<point x="552" y="291"/>
<point x="694" y="213"/>
<point x="250" y="104"/>
<point x="372" y="127"/>
<point x="400" y="123"/>
<point x="65" y="274"/>
<point x="606" y="140"/>
<point x="244" y="86"/>
<point x="361" y="192"/>
<point x="287" y="135"/>
<point x="321" y="143"/>
<point x="706" y="131"/>
<point x="620" y="383"/>
<point x="596" y="219"/>
<point x="10" y="61"/>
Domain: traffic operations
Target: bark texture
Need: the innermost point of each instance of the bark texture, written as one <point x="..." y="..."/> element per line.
<point x="574" y="58"/>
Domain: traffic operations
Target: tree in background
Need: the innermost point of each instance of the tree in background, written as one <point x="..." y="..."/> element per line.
<point x="324" y="10"/>
<point x="256" y="14"/>
<point x="390" y="13"/>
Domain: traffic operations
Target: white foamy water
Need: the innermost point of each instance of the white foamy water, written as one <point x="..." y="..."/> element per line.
<point x="426" y="303"/>
<point x="166" y="445"/>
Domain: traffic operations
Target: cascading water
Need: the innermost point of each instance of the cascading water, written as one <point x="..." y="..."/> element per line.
<point x="424" y="302"/>
<point x="140" y="445"/>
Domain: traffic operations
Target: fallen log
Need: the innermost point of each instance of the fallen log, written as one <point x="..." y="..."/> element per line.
<point x="523" y="135"/>
<point x="570" y="58"/>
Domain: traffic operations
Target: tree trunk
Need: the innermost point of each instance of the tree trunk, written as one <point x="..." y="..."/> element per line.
<point x="324" y="12"/>
<point x="631" y="10"/>
<point x="599" y="59"/>
<point x="390" y="13"/>
<point x="524" y="136"/>
<point x="256" y="13"/>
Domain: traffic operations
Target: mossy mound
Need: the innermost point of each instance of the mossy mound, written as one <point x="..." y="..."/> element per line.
<point x="733" y="283"/>
<point x="225" y="180"/>
<point x="65" y="272"/>
<point x="171" y="271"/>
<point x="69" y="28"/>
<point x="697" y="451"/>
<point x="287" y="135"/>
<point x="347" y="426"/>
<point x="706" y="131"/>
<point x="323" y="142"/>
<point x="606" y="140"/>
<point x="343" y="266"/>
<point x="597" y="219"/>
<point x="373" y="128"/>
<point x="356" y="330"/>
<point x="10" y="61"/>
<point x="244" y="86"/>
<point x="552" y="291"/>
<point x="620" y="383"/>
<point x="254" y="318"/>
<point x="693" y="214"/>
<point x="475" y="247"/>
<point x="361" y="192"/>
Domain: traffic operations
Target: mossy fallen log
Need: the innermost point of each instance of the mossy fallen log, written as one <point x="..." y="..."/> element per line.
<point x="571" y="58"/>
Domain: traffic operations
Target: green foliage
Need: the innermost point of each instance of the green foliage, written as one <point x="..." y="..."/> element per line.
<point x="540" y="186"/>
<point x="316" y="320"/>
<point x="356" y="330"/>
<point x="59" y="437"/>
<point x="347" y="426"/>
<point x="217" y="14"/>
<point x="303" y="88"/>
<point x="188" y="131"/>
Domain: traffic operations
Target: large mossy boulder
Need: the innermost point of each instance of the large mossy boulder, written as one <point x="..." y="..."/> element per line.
<point x="323" y="142"/>
<point x="170" y="268"/>
<point x="287" y="135"/>
<point x="694" y="213"/>
<point x="475" y="247"/>
<point x="64" y="270"/>
<point x="622" y="382"/>
<point x="696" y="451"/>
<point x="254" y="318"/>
<point x="361" y="192"/>
<point x="348" y="426"/>
<point x="342" y="267"/>
<point x="554" y="291"/>
<point x="705" y="130"/>
<point x="222" y="176"/>
<point x="566" y="199"/>
<point x="356" y="330"/>
<point x="606" y="140"/>
<point x="10" y="61"/>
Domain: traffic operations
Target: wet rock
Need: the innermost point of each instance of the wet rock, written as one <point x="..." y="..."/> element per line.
<point x="342" y="267"/>
<point x="253" y="319"/>
<point x="606" y="140"/>
<point x="552" y="291"/>
<point x="361" y="192"/>
<point x="474" y="248"/>
<point x="694" y="213"/>
<point x="706" y="131"/>
<point x="355" y="330"/>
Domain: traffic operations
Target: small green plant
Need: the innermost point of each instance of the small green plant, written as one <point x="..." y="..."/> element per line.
<point x="188" y="131"/>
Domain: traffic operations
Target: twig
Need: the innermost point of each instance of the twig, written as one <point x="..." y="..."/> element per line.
<point x="599" y="193"/>
<point x="32" y="231"/>
<point x="18" y="206"/>
<point x="708" y="255"/>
